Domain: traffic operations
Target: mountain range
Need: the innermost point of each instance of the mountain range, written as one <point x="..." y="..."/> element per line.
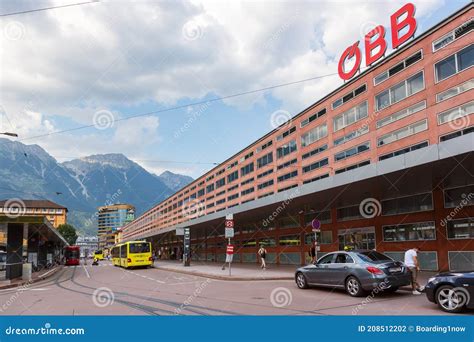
<point x="83" y="184"/>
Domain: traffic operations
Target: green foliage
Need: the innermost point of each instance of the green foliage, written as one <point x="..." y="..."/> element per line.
<point x="68" y="232"/>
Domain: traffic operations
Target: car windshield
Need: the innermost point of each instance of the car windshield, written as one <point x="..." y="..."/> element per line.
<point x="373" y="256"/>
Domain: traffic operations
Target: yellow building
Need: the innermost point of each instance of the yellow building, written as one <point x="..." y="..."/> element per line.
<point x="56" y="214"/>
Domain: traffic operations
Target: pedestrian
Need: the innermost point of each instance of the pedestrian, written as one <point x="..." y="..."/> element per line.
<point x="312" y="252"/>
<point x="411" y="261"/>
<point x="262" y="252"/>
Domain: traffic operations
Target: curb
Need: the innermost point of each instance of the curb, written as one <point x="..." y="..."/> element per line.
<point x="32" y="281"/>
<point x="219" y="277"/>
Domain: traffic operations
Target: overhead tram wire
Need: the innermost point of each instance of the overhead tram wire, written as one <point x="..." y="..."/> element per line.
<point x="48" y="8"/>
<point x="220" y="98"/>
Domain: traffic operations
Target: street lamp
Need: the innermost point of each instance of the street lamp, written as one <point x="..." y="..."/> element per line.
<point x="10" y="134"/>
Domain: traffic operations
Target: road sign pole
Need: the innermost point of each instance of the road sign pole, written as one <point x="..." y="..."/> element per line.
<point x="230" y="264"/>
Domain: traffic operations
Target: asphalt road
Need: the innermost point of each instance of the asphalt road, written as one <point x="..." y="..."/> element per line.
<point x="109" y="290"/>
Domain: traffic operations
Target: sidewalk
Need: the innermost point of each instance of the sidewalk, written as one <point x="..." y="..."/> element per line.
<point x="246" y="271"/>
<point x="36" y="276"/>
<point x="239" y="271"/>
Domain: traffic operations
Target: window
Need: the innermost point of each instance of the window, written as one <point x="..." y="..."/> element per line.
<point x="348" y="213"/>
<point x="268" y="242"/>
<point x="404" y="150"/>
<point x="322" y="217"/>
<point x="324" y="238"/>
<point x="265" y="184"/>
<point x="343" y="258"/>
<point x="327" y="259"/>
<point x="233" y="187"/>
<point x="288" y="163"/>
<point x="408" y="204"/>
<point x="231" y="197"/>
<point x="289" y="240"/>
<point x="314" y="179"/>
<point x="220" y="193"/>
<point x="246" y="169"/>
<point x="349" y="96"/>
<point x="453" y="35"/>
<point x="316" y="165"/>
<point x="352" y="135"/>
<point x="286" y="133"/>
<point x="264" y="146"/>
<point x="404" y="132"/>
<point x="313" y="117"/>
<point x="266" y="159"/>
<point x="288" y="176"/>
<point x="409" y="232"/>
<point x="457" y="134"/>
<point x="461" y="196"/>
<point x="230" y="166"/>
<point x="265" y="195"/>
<point x="402" y="114"/>
<point x="232" y="177"/>
<point x="455" y="63"/>
<point x="220" y="201"/>
<point x="250" y="180"/>
<point x="247" y="191"/>
<point x="266" y="173"/>
<point x="209" y="188"/>
<point x="400" y="91"/>
<point x="461" y="229"/>
<point x="314" y="152"/>
<point x="288" y="188"/>
<point x="220" y="183"/>
<point x="286" y="149"/>
<point x="456" y="113"/>
<point x="451" y="92"/>
<point x="221" y="171"/>
<point x="207" y="179"/>
<point x="352" y="151"/>
<point x="314" y="135"/>
<point x="398" y="67"/>
<point x="350" y="116"/>
<point x="352" y="167"/>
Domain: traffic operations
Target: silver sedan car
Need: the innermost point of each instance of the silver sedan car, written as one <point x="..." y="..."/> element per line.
<point x="356" y="271"/>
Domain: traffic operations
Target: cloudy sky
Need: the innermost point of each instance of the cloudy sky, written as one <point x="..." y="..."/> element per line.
<point x="94" y="65"/>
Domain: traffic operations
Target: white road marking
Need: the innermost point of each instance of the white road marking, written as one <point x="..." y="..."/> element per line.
<point x="87" y="272"/>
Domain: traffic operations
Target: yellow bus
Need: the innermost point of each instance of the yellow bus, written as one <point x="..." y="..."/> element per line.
<point x="99" y="255"/>
<point x="132" y="254"/>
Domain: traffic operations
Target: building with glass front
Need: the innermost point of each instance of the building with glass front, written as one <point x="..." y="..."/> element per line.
<point x="109" y="219"/>
<point x="383" y="162"/>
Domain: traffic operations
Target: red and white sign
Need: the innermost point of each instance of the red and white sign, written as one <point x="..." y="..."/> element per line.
<point x="229" y="224"/>
<point x="375" y="43"/>
<point x="230" y="249"/>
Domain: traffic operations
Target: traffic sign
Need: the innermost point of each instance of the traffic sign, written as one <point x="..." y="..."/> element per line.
<point x="229" y="233"/>
<point x="230" y="249"/>
<point x="179" y="231"/>
<point x="229" y="258"/>
<point x="229" y="224"/>
<point x="229" y="217"/>
<point x="316" y="224"/>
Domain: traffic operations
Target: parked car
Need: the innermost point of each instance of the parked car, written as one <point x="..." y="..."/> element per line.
<point x="355" y="271"/>
<point x="3" y="261"/>
<point x="452" y="291"/>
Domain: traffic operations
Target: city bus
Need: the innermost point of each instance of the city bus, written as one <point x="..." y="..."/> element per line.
<point x="99" y="255"/>
<point x="132" y="254"/>
<point x="71" y="255"/>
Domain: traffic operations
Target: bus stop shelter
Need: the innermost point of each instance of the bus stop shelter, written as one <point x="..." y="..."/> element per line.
<point x="29" y="239"/>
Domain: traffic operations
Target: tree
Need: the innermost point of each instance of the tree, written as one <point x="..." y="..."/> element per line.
<point x="68" y="232"/>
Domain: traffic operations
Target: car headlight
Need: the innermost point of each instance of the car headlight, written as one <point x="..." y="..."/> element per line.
<point x="432" y="279"/>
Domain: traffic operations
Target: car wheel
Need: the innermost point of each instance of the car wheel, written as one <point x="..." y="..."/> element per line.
<point x="354" y="287"/>
<point x="301" y="281"/>
<point x="450" y="299"/>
